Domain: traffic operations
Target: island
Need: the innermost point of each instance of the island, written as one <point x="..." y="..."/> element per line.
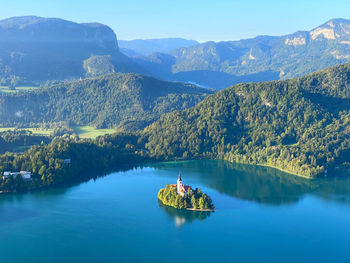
<point x="182" y="196"/>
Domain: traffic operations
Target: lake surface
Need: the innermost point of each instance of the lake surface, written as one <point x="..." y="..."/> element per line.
<point x="262" y="215"/>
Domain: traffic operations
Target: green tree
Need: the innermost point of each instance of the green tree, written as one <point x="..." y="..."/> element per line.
<point x="201" y="203"/>
<point x="193" y="202"/>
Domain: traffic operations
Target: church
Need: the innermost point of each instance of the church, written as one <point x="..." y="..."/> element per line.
<point x="181" y="188"/>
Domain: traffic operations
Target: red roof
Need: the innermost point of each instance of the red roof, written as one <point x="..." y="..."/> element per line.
<point x="187" y="187"/>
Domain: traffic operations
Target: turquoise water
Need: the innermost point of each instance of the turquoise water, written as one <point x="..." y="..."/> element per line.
<point x="262" y="215"/>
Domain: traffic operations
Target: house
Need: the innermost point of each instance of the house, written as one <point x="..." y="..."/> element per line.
<point x="24" y="174"/>
<point x="6" y="175"/>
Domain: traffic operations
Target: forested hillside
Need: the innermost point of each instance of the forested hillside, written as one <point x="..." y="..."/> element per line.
<point x="128" y="101"/>
<point x="300" y="125"/>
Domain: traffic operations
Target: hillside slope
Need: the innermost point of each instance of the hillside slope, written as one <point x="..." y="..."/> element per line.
<point x="129" y="101"/>
<point x="300" y="125"/>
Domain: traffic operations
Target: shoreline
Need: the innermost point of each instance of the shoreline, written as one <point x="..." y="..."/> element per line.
<point x="200" y="210"/>
<point x="154" y="162"/>
<point x="189" y="209"/>
<point x="258" y="164"/>
<point x="286" y="171"/>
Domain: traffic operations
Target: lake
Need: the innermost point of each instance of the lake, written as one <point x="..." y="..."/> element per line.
<point x="262" y="215"/>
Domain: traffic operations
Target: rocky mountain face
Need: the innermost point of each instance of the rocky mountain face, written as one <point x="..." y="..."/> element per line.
<point x="38" y="49"/>
<point x="221" y="64"/>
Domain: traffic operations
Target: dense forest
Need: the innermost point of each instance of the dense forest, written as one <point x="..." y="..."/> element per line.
<point x="48" y="166"/>
<point x="116" y="100"/>
<point x="301" y="125"/>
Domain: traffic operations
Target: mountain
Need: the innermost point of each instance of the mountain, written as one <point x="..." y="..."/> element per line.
<point x="149" y="46"/>
<point x="38" y="49"/>
<point x="128" y="101"/>
<point x="221" y="64"/>
<point x="300" y="125"/>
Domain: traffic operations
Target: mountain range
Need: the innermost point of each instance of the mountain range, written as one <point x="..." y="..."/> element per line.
<point x="220" y="64"/>
<point x="36" y="49"/>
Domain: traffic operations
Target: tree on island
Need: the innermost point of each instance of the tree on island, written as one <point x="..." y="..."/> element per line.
<point x="194" y="202"/>
<point x="201" y="203"/>
<point x="192" y="199"/>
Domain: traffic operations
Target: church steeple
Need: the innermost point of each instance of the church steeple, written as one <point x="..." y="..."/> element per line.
<point x="180" y="186"/>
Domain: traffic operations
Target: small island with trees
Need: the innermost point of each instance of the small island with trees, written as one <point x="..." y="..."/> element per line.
<point x="182" y="196"/>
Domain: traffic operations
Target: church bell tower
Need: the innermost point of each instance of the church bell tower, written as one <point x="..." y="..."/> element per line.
<point x="180" y="186"/>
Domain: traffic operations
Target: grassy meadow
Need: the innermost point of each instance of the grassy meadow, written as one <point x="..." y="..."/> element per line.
<point x="85" y="132"/>
<point x="6" y="89"/>
<point x="37" y="131"/>
<point x="88" y="132"/>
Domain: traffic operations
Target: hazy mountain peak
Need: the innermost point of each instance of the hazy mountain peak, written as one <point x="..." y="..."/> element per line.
<point x="18" y="21"/>
<point x="149" y="46"/>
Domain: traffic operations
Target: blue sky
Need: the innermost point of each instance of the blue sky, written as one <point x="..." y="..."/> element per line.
<point x="201" y="20"/>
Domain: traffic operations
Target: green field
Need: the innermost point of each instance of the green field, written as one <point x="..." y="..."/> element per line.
<point x="88" y="132"/>
<point x="5" y="89"/>
<point x="85" y="132"/>
<point x="36" y="131"/>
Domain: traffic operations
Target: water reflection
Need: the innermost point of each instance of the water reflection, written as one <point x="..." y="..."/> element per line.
<point x="59" y="190"/>
<point x="261" y="184"/>
<point x="247" y="182"/>
<point x="183" y="216"/>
